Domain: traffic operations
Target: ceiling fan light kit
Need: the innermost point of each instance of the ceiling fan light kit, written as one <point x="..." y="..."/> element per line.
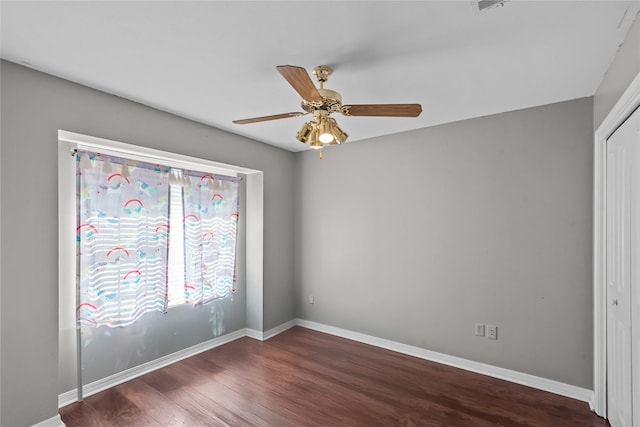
<point x="304" y="132"/>
<point x="321" y="102"/>
<point x="316" y="144"/>
<point x="339" y="135"/>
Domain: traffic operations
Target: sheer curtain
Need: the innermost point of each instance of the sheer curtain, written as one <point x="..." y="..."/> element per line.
<point x="122" y="234"/>
<point x="131" y="216"/>
<point x="210" y="225"/>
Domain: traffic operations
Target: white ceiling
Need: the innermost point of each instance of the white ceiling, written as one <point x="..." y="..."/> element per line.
<point x="215" y="61"/>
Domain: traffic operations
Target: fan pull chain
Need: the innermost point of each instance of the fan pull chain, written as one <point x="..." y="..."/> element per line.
<point x="320" y="155"/>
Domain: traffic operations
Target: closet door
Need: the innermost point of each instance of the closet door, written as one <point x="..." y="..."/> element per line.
<point x="623" y="188"/>
<point x="635" y="273"/>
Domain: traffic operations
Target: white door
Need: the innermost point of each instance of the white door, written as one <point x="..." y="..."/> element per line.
<point x="635" y="273"/>
<point x="623" y="238"/>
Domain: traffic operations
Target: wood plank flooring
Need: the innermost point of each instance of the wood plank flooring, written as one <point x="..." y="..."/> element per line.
<point x="307" y="378"/>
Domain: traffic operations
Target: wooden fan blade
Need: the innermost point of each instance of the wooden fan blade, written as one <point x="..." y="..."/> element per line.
<point x="388" y="110"/>
<point x="265" y="118"/>
<point x="301" y="82"/>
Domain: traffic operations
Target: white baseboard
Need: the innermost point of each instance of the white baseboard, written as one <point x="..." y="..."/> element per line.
<point x="263" y="336"/>
<point x="67" y="398"/>
<point x="533" y="381"/>
<point x="256" y="335"/>
<point x="115" y="379"/>
<point x="457" y="362"/>
<point x="278" y="329"/>
<point x="71" y="396"/>
<point x="51" y="422"/>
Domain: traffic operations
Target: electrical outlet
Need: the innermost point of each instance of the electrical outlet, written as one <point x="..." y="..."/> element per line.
<point x="480" y="329"/>
<point x="311" y="299"/>
<point x="492" y="332"/>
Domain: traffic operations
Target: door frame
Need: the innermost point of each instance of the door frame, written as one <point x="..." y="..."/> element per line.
<point x="628" y="102"/>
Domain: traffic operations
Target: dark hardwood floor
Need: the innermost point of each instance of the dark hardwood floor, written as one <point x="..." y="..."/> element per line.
<point x="306" y="378"/>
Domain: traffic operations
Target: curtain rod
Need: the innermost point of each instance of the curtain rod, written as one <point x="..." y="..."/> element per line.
<point x="154" y="160"/>
<point x="178" y="164"/>
<point x="116" y="148"/>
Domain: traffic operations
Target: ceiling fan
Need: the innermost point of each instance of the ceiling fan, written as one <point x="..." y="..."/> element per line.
<point x="321" y="102"/>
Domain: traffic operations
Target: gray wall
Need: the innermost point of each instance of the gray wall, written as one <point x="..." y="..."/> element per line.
<point x="624" y="68"/>
<point x="34" y="106"/>
<point x="416" y="236"/>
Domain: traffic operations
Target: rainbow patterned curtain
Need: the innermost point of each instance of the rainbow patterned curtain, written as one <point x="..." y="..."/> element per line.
<point x="122" y="235"/>
<point x="210" y="232"/>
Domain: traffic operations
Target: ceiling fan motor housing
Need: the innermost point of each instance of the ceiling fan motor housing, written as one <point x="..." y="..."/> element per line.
<point x="331" y="102"/>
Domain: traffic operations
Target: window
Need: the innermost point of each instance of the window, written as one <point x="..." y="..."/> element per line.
<point x="175" y="274"/>
<point x="81" y="339"/>
<point x="150" y="237"/>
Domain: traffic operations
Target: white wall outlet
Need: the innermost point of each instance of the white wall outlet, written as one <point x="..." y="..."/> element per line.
<point x="480" y="329"/>
<point x="492" y="332"/>
<point x="311" y="299"/>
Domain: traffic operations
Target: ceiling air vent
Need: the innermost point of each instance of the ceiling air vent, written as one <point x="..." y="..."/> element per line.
<point x="484" y="5"/>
